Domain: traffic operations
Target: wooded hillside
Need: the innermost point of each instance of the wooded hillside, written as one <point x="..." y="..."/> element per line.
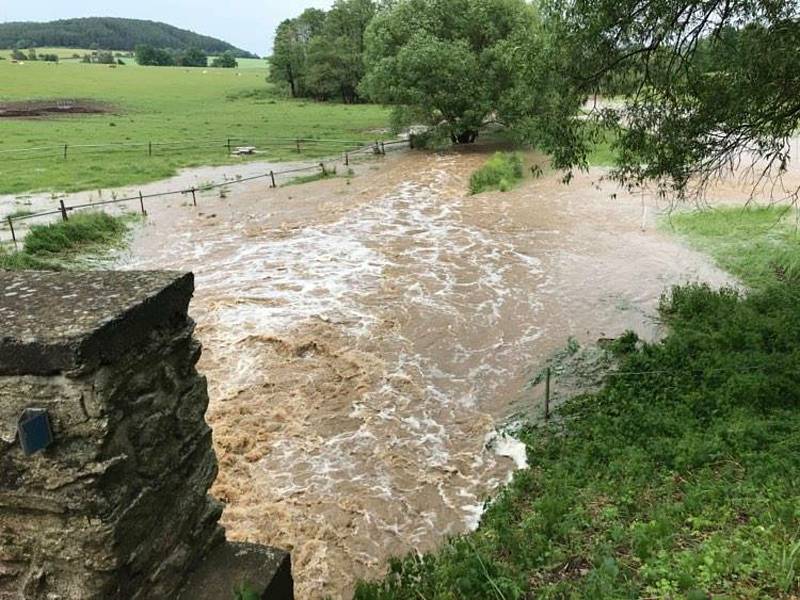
<point x="109" y="33"/>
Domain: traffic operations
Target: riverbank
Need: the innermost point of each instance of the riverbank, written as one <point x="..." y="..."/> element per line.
<point x="674" y="478"/>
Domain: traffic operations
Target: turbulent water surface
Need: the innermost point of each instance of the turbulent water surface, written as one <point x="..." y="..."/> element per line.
<point x="364" y="339"/>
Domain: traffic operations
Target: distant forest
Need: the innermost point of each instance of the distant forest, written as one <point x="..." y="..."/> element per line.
<point x="110" y="34"/>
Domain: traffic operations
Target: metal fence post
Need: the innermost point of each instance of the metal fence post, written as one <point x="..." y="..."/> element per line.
<point x="63" y="211"/>
<point x="141" y="203"/>
<point x="194" y="198"/>
<point x="346" y="159"/>
<point x="547" y="396"/>
<point x="272" y="177"/>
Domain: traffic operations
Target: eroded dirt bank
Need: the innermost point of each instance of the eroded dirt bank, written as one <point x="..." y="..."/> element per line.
<point x="363" y="340"/>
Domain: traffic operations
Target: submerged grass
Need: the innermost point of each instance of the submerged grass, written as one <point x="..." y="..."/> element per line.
<point x="501" y="172"/>
<point x="56" y="245"/>
<point x="677" y="479"/>
<point x="301" y="179"/>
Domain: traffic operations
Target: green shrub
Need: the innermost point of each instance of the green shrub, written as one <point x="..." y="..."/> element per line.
<point x="500" y="172"/>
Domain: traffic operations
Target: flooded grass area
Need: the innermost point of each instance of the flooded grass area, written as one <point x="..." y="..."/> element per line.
<point x="365" y="339"/>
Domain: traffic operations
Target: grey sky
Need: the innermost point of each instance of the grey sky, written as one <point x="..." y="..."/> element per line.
<point x="248" y="24"/>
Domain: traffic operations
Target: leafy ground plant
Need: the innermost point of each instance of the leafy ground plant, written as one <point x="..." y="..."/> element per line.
<point x="501" y="172"/>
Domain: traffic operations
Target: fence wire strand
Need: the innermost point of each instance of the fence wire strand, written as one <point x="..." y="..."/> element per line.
<point x="372" y="148"/>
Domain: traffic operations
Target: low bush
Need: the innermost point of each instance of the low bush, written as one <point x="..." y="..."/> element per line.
<point x="501" y="172"/>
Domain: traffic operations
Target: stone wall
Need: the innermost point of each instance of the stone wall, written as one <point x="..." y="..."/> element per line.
<point x="117" y="505"/>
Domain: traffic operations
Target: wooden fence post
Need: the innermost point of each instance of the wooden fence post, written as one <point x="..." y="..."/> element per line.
<point x="63" y="211"/>
<point x="194" y="198"/>
<point x="141" y="203"/>
<point x="383" y="149"/>
<point x="65" y="151"/>
<point x="322" y="166"/>
<point x="298" y="146"/>
<point x="547" y="396"/>
<point x="272" y="177"/>
<point x="149" y="148"/>
<point x="229" y="145"/>
<point x="346" y="159"/>
<point x="13" y="235"/>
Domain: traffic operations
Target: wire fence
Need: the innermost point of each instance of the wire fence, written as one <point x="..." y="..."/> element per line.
<point x="149" y="148"/>
<point x="547" y="398"/>
<point x="64" y="210"/>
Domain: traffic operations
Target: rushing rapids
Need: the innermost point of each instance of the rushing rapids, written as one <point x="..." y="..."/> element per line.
<point x="364" y="339"/>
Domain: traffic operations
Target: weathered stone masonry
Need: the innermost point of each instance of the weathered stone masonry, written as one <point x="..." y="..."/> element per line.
<point x="117" y="506"/>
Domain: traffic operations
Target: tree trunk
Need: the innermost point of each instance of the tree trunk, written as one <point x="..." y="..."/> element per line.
<point x="464" y="137"/>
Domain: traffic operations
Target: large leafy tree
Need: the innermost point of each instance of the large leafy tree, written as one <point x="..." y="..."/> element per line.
<point x="708" y="86"/>
<point x="451" y="63"/>
<point x="336" y="55"/>
<point x="288" y="63"/>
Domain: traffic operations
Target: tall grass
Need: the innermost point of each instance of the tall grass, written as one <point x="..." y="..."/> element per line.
<point x="53" y="246"/>
<point x="759" y="245"/>
<point x="500" y="172"/>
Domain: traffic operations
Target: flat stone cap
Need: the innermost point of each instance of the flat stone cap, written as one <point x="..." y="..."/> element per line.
<point x="52" y="322"/>
<point x="266" y="573"/>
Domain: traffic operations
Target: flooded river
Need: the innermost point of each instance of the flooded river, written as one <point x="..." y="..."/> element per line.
<point x="363" y="339"/>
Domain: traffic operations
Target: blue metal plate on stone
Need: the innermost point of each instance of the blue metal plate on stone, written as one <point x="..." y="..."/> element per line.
<point x="34" y="430"/>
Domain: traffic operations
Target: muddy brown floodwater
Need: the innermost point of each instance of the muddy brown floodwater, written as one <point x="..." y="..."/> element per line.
<point x="364" y="340"/>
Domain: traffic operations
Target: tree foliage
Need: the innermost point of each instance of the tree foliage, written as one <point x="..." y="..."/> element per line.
<point x="226" y="60"/>
<point x="288" y="64"/>
<point x="154" y="57"/>
<point x="706" y="86"/>
<point x="193" y="57"/>
<point x="452" y="63"/>
<point x="166" y="57"/>
<point x="320" y="55"/>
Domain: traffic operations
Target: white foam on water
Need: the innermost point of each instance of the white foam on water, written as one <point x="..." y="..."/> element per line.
<point x="419" y="434"/>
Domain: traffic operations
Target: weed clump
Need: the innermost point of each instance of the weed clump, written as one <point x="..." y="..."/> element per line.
<point x="501" y="172"/>
<point x="51" y="247"/>
<point x="66" y="236"/>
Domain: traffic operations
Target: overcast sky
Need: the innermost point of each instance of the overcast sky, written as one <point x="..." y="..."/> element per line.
<point x="248" y="24"/>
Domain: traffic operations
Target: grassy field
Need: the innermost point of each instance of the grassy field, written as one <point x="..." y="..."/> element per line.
<point x="677" y="479"/>
<point x="757" y="244"/>
<point x="201" y="107"/>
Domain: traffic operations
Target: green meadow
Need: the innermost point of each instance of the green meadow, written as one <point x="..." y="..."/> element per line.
<point x="195" y="107"/>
